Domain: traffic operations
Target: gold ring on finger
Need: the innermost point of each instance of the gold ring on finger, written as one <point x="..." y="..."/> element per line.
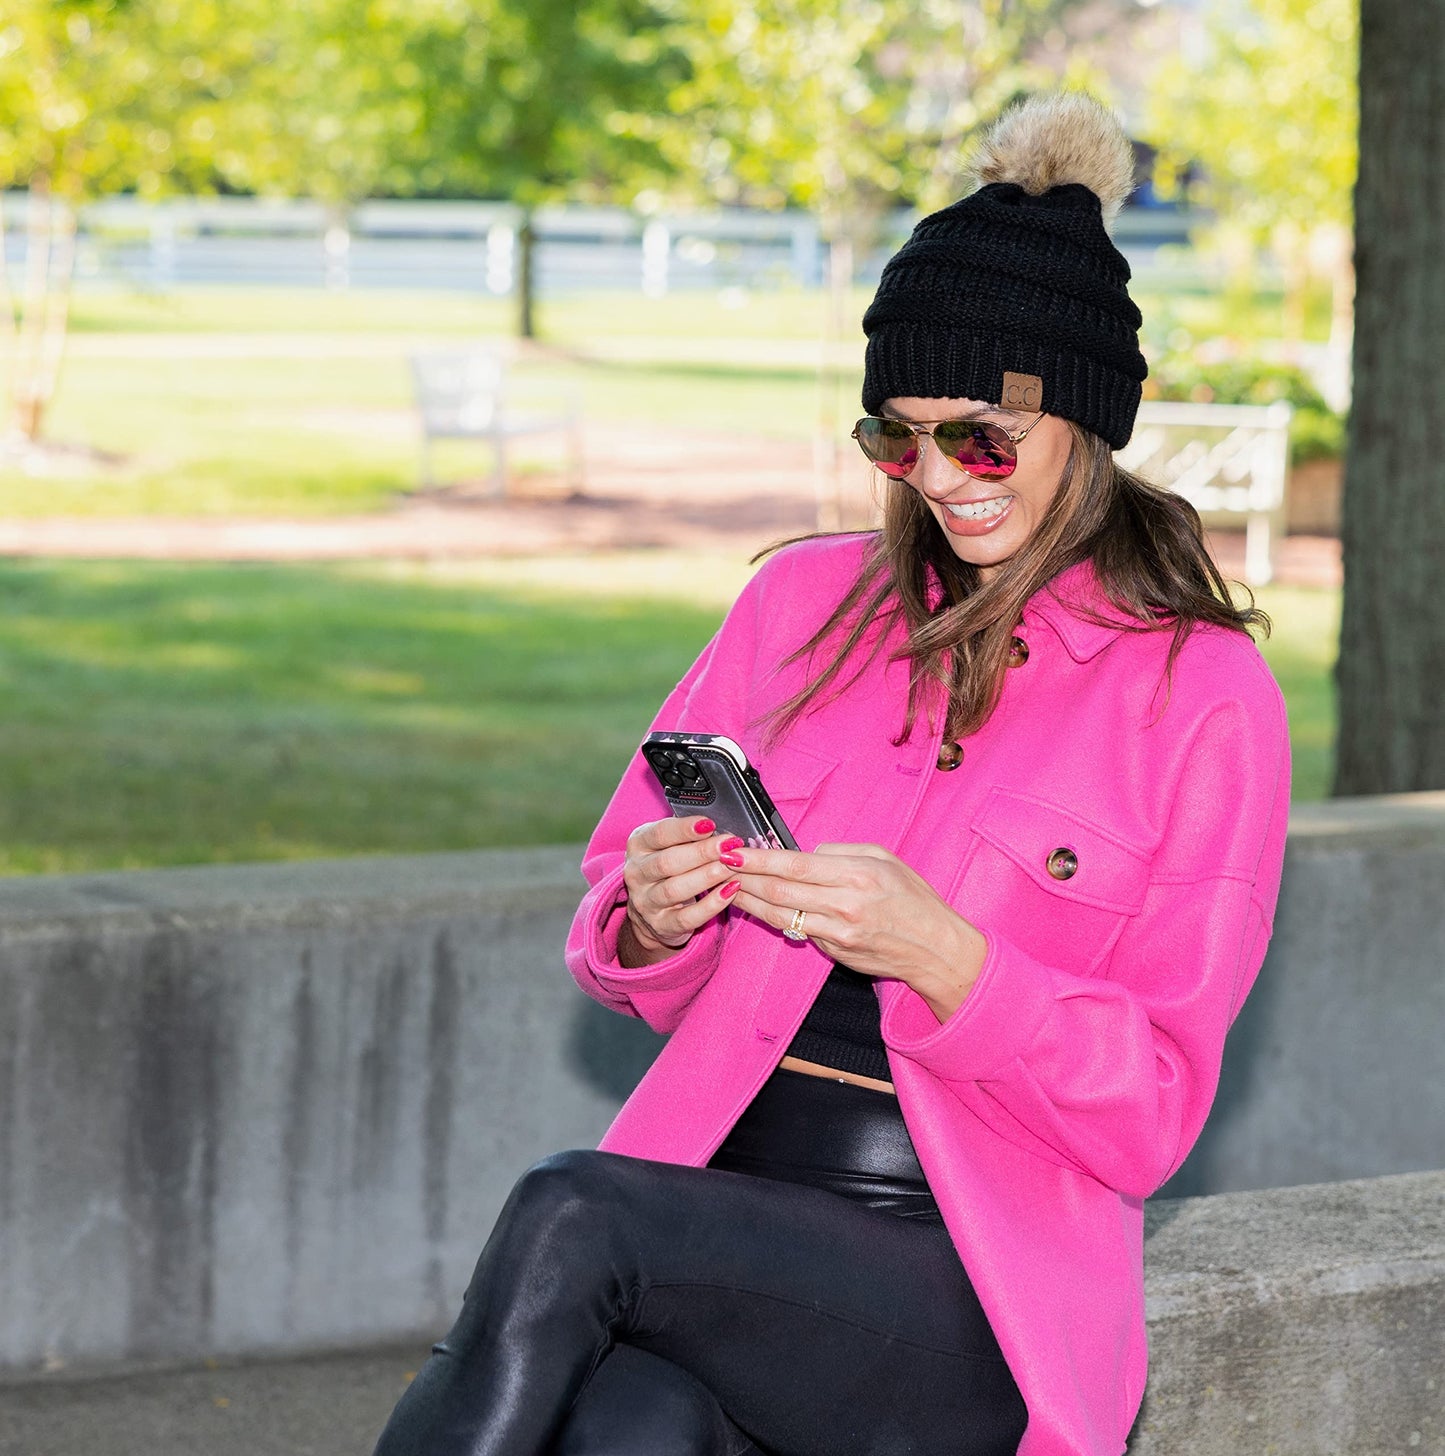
<point x="795" y="930"/>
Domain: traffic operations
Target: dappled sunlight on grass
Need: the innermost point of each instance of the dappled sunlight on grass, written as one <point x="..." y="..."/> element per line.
<point x="172" y="713"/>
<point x="608" y="581"/>
<point x="163" y="714"/>
<point x="1301" y="652"/>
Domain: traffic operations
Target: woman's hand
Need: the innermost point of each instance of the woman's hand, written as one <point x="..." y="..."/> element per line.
<point x="869" y="910"/>
<point x="676" y="882"/>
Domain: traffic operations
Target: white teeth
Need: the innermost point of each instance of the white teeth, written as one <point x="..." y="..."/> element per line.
<point x="981" y="510"/>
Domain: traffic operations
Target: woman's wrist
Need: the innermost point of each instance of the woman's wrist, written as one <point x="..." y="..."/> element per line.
<point x="945" y="986"/>
<point x="636" y="949"/>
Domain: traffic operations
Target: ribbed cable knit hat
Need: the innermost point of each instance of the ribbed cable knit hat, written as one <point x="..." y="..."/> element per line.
<point x="1020" y="278"/>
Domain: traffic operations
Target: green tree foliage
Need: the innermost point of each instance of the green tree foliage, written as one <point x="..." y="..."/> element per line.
<point x="539" y="101"/>
<point x="78" y="98"/>
<point x="850" y="111"/>
<point x="1265" y="108"/>
<point x="844" y="109"/>
<point x="312" y="100"/>
<point x="84" y="109"/>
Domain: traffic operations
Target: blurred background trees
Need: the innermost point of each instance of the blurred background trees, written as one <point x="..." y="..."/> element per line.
<point x="1257" y="122"/>
<point x="87" y="106"/>
<point x="844" y="110"/>
<point x="540" y="101"/>
<point x="854" y="113"/>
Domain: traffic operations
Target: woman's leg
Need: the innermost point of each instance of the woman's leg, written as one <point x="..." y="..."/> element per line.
<point x="639" y="1404"/>
<point x="822" y="1328"/>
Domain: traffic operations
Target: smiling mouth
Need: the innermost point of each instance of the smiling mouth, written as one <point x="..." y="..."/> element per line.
<point x="978" y="510"/>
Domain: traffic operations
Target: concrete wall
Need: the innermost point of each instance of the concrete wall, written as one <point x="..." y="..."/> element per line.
<point x="1297" y="1322"/>
<point x="1293" y="1322"/>
<point x="257" y="1107"/>
<point x="1336" y="1065"/>
<point x="280" y="1105"/>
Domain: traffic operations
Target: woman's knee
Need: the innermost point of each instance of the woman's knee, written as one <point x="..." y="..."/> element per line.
<point x="567" y="1205"/>
<point x="638" y="1404"/>
<point x="565" y="1186"/>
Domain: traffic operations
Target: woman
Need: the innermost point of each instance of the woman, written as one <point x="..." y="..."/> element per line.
<point x="882" y="1189"/>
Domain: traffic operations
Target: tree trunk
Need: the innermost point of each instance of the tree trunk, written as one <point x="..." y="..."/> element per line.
<point x="827" y="486"/>
<point x="36" y="331"/>
<point x="526" y="285"/>
<point x="9" y="317"/>
<point x="1391" y="670"/>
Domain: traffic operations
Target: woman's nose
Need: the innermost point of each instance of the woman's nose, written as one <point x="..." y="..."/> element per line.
<point x="933" y="475"/>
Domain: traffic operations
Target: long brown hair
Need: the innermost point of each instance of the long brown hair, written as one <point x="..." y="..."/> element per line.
<point x="1146" y="544"/>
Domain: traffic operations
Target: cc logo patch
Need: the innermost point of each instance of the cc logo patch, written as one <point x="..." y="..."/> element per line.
<point x="1022" y="392"/>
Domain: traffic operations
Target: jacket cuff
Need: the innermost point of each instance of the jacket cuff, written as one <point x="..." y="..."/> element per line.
<point x="698" y="957"/>
<point x="1003" y="1013"/>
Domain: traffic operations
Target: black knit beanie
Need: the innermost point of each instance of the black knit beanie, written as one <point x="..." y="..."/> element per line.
<point x="1020" y="279"/>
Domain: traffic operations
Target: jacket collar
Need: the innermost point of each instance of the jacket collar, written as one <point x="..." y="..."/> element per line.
<point x="1058" y="601"/>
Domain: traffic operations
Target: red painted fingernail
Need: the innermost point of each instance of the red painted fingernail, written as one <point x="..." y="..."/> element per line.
<point x="730" y="846"/>
<point x="730" y="889"/>
<point x="704" y="826"/>
<point x="732" y="861"/>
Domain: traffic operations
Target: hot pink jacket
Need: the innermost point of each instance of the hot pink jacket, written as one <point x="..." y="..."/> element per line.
<point x="1076" y="1076"/>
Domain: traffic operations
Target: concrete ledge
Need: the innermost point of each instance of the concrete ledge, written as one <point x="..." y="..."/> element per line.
<point x="279" y="1106"/>
<point x="332" y="1404"/>
<point x="1336" y="1065"/>
<point x="270" y="1107"/>
<point x="1297" y="1322"/>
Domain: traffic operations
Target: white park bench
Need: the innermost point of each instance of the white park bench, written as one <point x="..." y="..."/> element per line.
<point x="462" y="394"/>
<point x="1229" y="461"/>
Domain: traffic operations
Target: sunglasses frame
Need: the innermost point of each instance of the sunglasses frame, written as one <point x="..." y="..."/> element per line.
<point x="918" y="433"/>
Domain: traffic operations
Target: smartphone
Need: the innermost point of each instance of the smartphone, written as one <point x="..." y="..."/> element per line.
<point x="706" y="773"/>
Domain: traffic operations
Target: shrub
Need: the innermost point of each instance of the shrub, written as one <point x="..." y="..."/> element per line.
<point x="1316" y="432"/>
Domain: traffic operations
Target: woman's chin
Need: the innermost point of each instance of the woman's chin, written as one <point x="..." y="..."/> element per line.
<point x="983" y="551"/>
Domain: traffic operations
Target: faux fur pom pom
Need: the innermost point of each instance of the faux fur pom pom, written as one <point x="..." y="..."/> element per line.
<point x="1063" y="137"/>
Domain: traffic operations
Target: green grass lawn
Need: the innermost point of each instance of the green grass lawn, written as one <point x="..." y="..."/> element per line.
<point x="1301" y="652"/>
<point x="177" y="714"/>
<point x="778" y="313"/>
<point x="163" y="714"/>
<point x="309" y="411"/>
<point x="253" y="402"/>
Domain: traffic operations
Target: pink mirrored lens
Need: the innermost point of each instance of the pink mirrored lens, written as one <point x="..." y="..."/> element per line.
<point x="981" y="449"/>
<point x="901" y="466"/>
<point x="889" y="444"/>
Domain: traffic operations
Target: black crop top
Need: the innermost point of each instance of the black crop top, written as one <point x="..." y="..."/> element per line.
<point x="842" y="1028"/>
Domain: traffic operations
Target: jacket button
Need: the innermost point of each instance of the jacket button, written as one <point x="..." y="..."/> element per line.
<point x="1018" y="652"/>
<point x="950" y="756"/>
<point x="1063" y="864"/>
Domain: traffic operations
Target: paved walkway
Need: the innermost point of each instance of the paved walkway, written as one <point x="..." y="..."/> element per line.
<point x="643" y="487"/>
<point x="324" y="1405"/>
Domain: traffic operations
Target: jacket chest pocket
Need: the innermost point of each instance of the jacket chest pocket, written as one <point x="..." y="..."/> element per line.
<point x="797" y="782"/>
<point x="1054" y="884"/>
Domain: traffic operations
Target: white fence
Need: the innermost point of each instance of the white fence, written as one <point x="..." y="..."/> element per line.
<point x="462" y="246"/>
<point x="472" y="246"/>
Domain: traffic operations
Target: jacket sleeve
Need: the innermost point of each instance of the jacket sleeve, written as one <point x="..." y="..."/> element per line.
<point x="1113" y="1074"/>
<point x="713" y="697"/>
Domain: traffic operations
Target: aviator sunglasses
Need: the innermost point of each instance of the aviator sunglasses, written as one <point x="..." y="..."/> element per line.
<point x="977" y="447"/>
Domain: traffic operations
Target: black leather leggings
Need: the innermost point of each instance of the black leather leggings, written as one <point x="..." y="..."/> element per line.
<point x="813" y="1306"/>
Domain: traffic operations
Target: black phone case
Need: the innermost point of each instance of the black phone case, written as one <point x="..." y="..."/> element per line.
<point x="734" y="799"/>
